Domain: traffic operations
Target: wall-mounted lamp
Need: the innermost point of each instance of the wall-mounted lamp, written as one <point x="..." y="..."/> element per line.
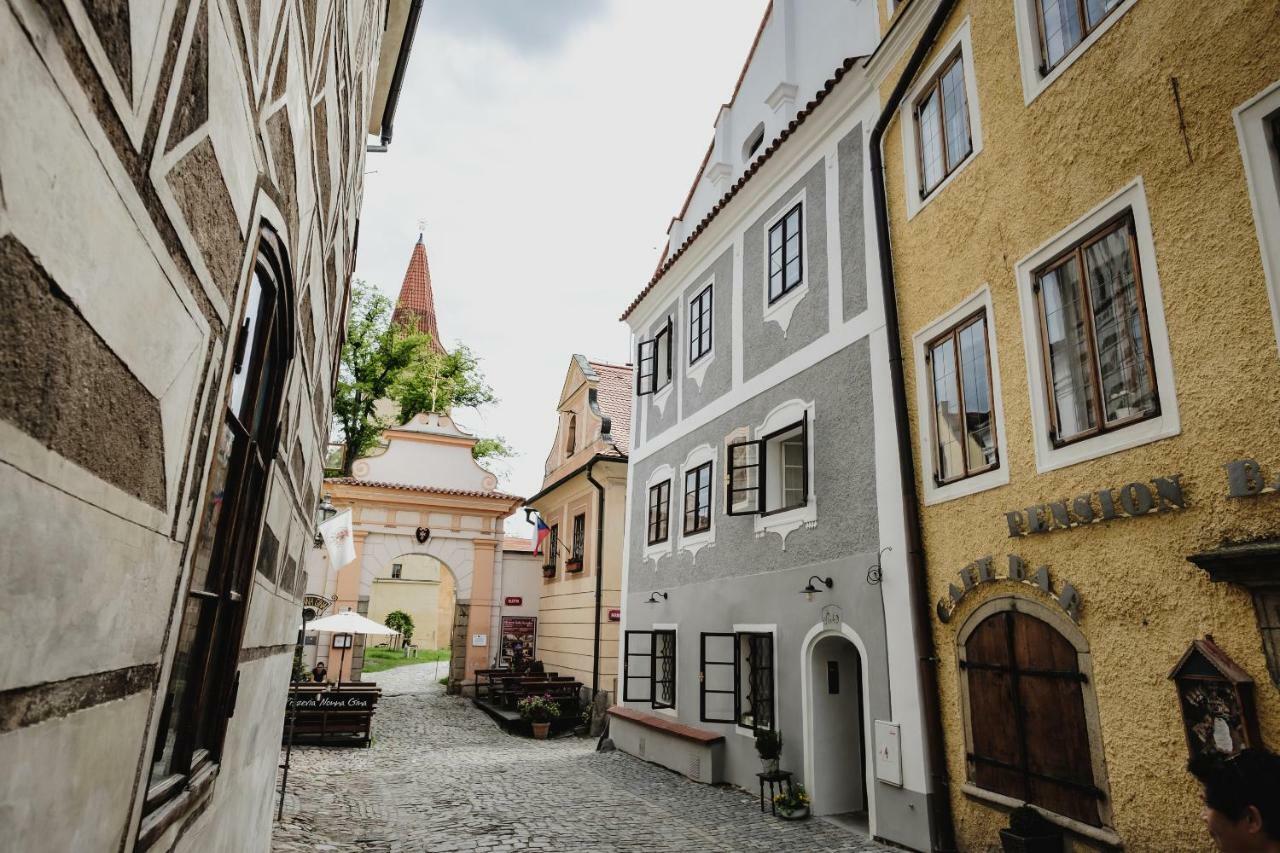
<point x="325" y="511"/>
<point x="654" y="596"/>
<point x="810" y="590"/>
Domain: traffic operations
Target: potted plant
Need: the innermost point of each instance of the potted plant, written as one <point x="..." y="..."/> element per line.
<point x="792" y="803"/>
<point x="1030" y="832"/>
<point x="769" y="748"/>
<point x="573" y="564"/>
<point x="549" y="570"/>
<point x="539" y="711"/>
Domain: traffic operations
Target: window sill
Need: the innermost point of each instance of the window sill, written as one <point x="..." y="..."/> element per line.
<point x="661" y="396"/>
<point x="195" y="795"/>
<point x="781" y="310"/>
<point x="1033" y="83"/>
<point x="1102" y="835"/>
<point x="695" y="542"/>
<point x="922" y="202"/>
<point x="993" y="479"/>
<point x="697" y="371"/>
<point x="783" y="523"/>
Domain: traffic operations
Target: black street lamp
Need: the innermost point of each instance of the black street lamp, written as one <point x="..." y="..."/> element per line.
<point x="810" y="590"/>
<point x="325" y="511"/>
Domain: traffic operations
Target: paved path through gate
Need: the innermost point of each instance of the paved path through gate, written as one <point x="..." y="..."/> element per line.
<point x="442" y="777"/>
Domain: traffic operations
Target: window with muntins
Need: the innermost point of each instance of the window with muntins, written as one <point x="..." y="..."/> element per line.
<point x="1095" y="344"/>
<point x="697" y="499"/>
<point x="653" y="362"/>
<point x="200" y="695"/>
<point x="943" y="139"/>
<point x="700" y="325"/>
<point x="649" y="667"/>
<point x="551" y="558"/>
<point x="786" y="266"/>
<point x="659" y="510"/>
<point x="1064" y="24"/>
<point x="664" y="669"/>
<point x="396" y="570"/>
<point x="1030" y="734"/>
<point x="964" y="429"/>
<point x="770" y="474"/>
<point x="755" y="681"/>
<point x="579" y="537"/>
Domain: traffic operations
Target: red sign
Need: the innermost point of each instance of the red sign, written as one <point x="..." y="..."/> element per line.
<point x="615" y="615"/>
<point x="514" y="601"/>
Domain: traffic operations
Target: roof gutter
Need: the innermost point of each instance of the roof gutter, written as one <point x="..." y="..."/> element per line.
<point x="599" y="457"/>
<point x="397" y="76"/>
<point x="595" y="652"/>
<point x="941" y="827"/>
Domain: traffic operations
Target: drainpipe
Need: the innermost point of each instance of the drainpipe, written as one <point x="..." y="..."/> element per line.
<point x="940" y="804"/>
<point x="595" y="654"/>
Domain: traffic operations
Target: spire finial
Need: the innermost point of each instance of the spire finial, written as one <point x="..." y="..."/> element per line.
<point x="422" y="227"/>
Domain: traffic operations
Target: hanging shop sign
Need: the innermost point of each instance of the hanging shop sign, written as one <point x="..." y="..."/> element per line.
<point x="1132" y="500"/>
<point x="982" y="571"/>
<point x="1247" y="479"/>
<point x="318" y="604"/>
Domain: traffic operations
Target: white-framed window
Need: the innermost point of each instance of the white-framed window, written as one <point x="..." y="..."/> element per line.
<point x="962" y="441"/>
<point x="1053" y="34"/>
<point x="657" y="491"/>
<point x="697" y="494"/>
<point x="770" y="476"/>
<point x="700" y="340"/>
<point x="786" y="260"/>
<point x="1258" y="127"/>
<point x="1098" y="366"/>
<point x="941" y="122"/>
<point x="653" y="361"/>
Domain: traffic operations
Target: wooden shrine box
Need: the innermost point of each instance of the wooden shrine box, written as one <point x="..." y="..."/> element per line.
<point x="1216" y="699"/>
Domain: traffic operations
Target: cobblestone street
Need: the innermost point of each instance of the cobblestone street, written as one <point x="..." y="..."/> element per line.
<point x="441" y="776"/>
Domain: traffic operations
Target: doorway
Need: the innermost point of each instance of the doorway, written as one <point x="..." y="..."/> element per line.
<point x="838" y="721"/>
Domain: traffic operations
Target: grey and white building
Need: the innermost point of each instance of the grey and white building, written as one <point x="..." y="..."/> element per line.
<point x="765" y="458"/>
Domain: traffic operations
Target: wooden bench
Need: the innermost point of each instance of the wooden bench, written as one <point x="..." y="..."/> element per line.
<point x="318" y="714"/>
<point x="694" y="752"/>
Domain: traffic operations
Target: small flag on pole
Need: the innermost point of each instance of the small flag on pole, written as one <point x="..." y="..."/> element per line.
<point x="542" y="533"/>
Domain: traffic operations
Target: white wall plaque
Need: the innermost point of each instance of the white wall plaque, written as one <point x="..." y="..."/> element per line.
<point x="479" y="639"/>
<point x="888" y="753"/>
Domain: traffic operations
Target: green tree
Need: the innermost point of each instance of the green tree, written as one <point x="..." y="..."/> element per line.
<point x="398" y="620"/>
<point x="382" y="360"/>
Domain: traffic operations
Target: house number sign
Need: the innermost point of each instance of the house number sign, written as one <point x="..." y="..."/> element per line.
<point x="1132" y="500"/>
<point x="980" y="571"/>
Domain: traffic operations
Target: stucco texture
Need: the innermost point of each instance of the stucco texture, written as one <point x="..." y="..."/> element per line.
<point x="1109" y="118"/>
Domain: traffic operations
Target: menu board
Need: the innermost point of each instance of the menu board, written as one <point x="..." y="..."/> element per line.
<point x="519" y="637"/>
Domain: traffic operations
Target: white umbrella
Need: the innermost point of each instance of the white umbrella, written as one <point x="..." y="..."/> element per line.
<point x="348" y="622"/>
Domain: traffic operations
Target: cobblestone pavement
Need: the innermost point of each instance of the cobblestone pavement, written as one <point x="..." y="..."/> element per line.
<point x="441" y="776"/>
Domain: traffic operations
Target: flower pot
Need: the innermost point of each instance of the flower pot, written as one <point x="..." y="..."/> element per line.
<point x="799" y="813"/>
<point x="540" y="730"/>
<point x="573" y="566"/>
<point x="1012" y="842"/>
<point x="769" y="765"/>
<point x="548" y="571"/>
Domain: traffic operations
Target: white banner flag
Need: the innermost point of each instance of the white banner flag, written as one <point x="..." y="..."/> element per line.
<point x="339" y="540"/>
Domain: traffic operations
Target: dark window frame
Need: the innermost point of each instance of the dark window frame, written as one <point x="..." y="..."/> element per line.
<point x="396" y="570"/>
<point x="1075" y="252"/>
<point x="644" y="679"/>
<point x="659" y="503"/>
<point x="579" y="545"/>
<point x="551" y="559"/>
<point x="762" y="679"/>
<point x="704" y="663"/>
<point x="953" y="334"/>
<point x="934" y="86"/>
<point x="761" y="465"/>
<point x="207" y="697"/>
<point x="663" y="680"/>
<point x="779" y="227"/>
<point x="1045" y="66"/>
<point x="700" y="325"/>
<point x="701" y="476"/>
<point x="648" y="380"/>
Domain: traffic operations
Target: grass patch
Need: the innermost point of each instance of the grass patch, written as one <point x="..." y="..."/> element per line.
<point x="377" y="660"/>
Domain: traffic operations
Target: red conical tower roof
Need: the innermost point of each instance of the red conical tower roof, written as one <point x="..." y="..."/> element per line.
<point x="416" y="304"/>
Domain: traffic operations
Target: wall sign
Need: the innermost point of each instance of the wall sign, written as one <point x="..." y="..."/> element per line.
<point x="1131" y="500"/>
<point x="519" y="638"/>
<point x="513" y="601"/>
<point x="479" y="639"/>
<point x="980" y="571"/>
<point x="888" y="753"/>
<point x="317" y="603"/>
<point x="341" y="641"/>
<point x="1247" y="479"/>
<point x="832" y="615"/>
<point x="615" y="614"/>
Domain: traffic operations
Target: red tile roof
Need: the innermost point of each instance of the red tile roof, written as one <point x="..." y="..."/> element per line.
<point x="613" y="392"/>
<point x="416" y="304"/>
<point x="435" y="490"/>
<point x="786" y="134"/>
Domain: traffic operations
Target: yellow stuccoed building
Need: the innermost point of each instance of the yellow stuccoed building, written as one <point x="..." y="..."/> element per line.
<point x="1080" y="204"/>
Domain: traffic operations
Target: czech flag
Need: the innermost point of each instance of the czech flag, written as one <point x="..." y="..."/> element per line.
<point x="542" y="533"/>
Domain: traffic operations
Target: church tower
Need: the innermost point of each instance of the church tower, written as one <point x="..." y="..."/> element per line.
<point x="416" y="304"/>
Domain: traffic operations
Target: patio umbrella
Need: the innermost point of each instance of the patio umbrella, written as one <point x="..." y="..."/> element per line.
<point x="348" y="622"/>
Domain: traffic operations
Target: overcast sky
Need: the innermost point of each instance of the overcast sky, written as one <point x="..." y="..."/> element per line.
<point x="546" y="144"/>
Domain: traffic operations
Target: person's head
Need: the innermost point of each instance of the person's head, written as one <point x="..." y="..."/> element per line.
<point x="321" y="665"/>
<point x="1241" y="799"/>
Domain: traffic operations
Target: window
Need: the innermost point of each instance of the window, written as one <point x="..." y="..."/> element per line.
<point x="551" y="557"/>
<point x="571" y="436"/>
<point x="649" y="667"/>
<point x="736" y="679"/>
<point x="396" y="568"/>
<point x="659" y="509"/>
<point x="1258" y="128"/>
<point x="1094" y="336"/>
<point x="786" y="268"/>
<point x="964" y="430"/>
<point x="654" y="361"/>
<point x="700" y="325"/>
<point x="1065" y="23"/>
<point x="1028" y="720"/>
<point x="770" y="474"/>
<point x="200" y="695"/>
<point x="942" y="125"/>
<point x="579" y="538"/>
<point x="697" y="499"/>
<point x="753" y="143"/>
